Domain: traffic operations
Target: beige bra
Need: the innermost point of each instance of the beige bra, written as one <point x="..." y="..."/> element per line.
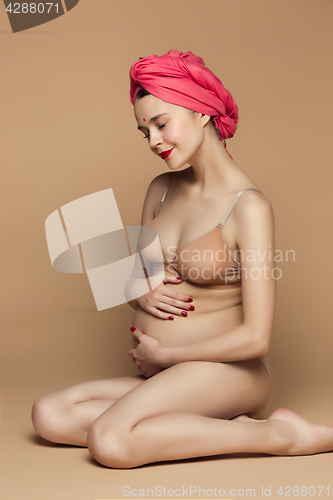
<point x="206" y="260"/>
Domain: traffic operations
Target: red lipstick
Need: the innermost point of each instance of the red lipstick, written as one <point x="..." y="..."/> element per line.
<point x="165" y="154"/>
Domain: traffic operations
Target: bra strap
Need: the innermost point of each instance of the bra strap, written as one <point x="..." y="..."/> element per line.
<point x="233" y="203"/>
<point x="167" y="188"/>
<point x="164" y="194"/>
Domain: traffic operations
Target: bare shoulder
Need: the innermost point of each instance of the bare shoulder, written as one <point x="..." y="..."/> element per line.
<point x="251" y="204"/>
<point x="159" y="182"/>
<point x="253" y="219"/>
<point x="153" y="197"/>
<point x="156" y="189"/>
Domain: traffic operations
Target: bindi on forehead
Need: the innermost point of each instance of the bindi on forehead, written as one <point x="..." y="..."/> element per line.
<point x="152" y="119"/>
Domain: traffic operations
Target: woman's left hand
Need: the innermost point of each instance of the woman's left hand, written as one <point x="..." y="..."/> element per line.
<point x="148" y="354"/>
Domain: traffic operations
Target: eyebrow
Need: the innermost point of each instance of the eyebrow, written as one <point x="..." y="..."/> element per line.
<point x="153" y="119"/>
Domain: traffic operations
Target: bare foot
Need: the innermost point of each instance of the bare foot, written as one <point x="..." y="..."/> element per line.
<point x="245" y="418"/>
<point x="297" y="436"/>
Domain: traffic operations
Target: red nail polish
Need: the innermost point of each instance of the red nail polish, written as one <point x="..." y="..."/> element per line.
<point x="170" y="317"/>
<point x="179" y="278"/>
<point x="132" y="329"/>
<point x="190" y="300"/>
<point x="191" y="308"/>
<point x="184" y="313"/>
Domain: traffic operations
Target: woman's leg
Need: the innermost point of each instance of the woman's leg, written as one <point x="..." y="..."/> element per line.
<point x="178" y="414"/>
<point x="163" y="418"/>
<point x="65" y="415"/>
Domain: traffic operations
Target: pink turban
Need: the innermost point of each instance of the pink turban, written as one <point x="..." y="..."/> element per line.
<point x="183" y="79"/>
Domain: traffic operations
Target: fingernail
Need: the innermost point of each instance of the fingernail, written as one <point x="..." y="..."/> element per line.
<point x="132" y="329"/>
<point x="170" y="317"/>
<point x="191" y="308"/>
<point x="184" y="313"/>
<point x="190" y="300"/>
<point x="179" y="278"/>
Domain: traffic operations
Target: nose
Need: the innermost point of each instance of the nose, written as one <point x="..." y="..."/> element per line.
<point x="154" y="139"/>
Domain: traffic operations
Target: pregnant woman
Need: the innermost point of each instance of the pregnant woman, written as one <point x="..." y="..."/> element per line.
<point x="202" y="335"/>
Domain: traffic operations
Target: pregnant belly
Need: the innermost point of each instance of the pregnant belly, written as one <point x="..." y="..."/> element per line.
<point x="217" y="310"/>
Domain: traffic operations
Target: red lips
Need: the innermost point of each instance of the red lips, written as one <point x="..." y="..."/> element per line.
<point x="165" y="154"/>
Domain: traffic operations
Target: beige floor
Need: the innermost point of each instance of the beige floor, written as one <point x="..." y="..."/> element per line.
<point x="34" y="469"/>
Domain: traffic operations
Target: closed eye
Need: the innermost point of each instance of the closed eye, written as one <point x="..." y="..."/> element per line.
<point x="161" y="126"/>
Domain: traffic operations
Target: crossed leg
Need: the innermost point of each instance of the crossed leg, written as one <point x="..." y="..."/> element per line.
<point x="182" y="412"/>
<point x="178" y="414"/>
<point x="65" y="415"/>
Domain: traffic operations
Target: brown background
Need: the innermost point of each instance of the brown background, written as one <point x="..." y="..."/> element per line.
<point x="68" y="130"/>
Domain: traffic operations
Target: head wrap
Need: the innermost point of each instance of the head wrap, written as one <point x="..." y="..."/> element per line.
<point x="183" y="79"/>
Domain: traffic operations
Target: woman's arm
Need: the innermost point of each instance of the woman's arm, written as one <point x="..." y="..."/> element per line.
<point x="234" y="345"/>
<point x="254" y="221"/>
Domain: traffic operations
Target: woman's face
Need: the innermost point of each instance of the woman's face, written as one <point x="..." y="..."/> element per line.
<point x="173" y="133"/>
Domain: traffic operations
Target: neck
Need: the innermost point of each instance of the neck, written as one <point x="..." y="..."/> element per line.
<point x="212" y="166"/>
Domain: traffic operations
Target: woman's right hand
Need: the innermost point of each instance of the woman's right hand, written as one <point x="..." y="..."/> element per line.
<point x="164" y="302"/>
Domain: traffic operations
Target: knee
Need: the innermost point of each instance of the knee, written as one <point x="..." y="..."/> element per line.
<point x="44" y="418"/>
<point x="108" y="448"/>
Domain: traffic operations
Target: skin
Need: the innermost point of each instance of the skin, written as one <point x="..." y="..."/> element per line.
<point x="201" y="382"/>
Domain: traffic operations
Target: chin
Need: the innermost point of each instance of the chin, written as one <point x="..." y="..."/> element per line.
<point x="177" y="165"/>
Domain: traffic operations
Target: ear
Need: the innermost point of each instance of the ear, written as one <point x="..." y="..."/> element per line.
<point x="204" y="119"/>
